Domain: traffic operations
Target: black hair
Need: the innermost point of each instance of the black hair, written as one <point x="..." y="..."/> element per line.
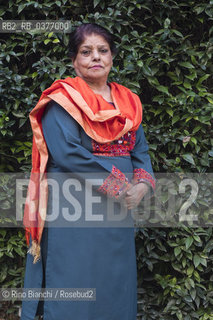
<point x="78" y="36"/>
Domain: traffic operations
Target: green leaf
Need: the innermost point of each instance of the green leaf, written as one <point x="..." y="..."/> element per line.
<point x="178" y="33"/>
<point x="62" y="70"/>
<point x="196" y="129"/>
<point x="184" y="263"/>
<point x="197" y="276"/>
<point x="19" y="251"/>
<point x="21" y="7"/>
<point x="196" y="260"/>
<point x="167" y="23"/>
<point x="194" y="140"/>
<point x="147" y="71"/>
<point x="170" y="112"/>
<point x="175" y="119"/>
<point x="159" y="32"/>
<point x="3" y="233"/>
<point x="194" y="61"/>
<point x="50" y="34"/>
<point x="46" y="41"/>
<point x="34" y="74"/>
<point x="190" y="270"/>
<point x="177" y="251"/>
<point x="210" y="100"/>
<point x="188" y="242"/>
<point x="188" y="157"/>
<point x="187" y="65"/>
<point x="203" y="262"/>
<point x="96" y="2"/>
<point x="197" y="238"/>
<point x="187" y="85"/>
<point x="206" y="76"/>
<point x="18" y="114"/>
<point x="191" y="281"/>
<point x="179" y="315"/>
<point x="193" y="294"/>
<point x="163" y="89"/>
<point x="140" y="63"/>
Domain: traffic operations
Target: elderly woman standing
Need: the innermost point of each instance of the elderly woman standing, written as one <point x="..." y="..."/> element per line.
<point x="86" y="124"/>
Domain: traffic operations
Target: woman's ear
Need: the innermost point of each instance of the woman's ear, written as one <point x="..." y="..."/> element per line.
<point x="73" y="64"/>
<point x="112" y="58"/>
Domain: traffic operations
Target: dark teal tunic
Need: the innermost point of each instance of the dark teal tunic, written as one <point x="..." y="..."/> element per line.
<point x="87" y="256"/>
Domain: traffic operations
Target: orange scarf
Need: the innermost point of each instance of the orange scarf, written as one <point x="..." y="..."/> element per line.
<point x="99" y="119"/>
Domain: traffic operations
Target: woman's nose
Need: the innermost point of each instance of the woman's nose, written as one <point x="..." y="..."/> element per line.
<point x="96" y="55"/>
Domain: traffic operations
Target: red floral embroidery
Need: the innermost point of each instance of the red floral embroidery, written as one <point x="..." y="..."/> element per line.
<point x="141" y="175"/>
<point x="115" y="184"/>
<point x="116" y="148"/>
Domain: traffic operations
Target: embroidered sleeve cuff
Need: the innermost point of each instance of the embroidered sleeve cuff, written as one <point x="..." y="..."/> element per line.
<point x="141" y="175"/>
<point x="116" y="184"/>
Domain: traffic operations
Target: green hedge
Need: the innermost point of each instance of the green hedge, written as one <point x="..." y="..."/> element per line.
<point x="165" y="56"/>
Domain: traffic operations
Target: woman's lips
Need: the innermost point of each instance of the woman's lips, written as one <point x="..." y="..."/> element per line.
<point x="96" y="67"/>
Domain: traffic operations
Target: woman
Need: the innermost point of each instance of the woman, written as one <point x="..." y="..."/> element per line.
<point x="86" y="125"/>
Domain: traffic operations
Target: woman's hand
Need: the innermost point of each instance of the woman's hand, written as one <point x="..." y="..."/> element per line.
<point x="135" y="194"/>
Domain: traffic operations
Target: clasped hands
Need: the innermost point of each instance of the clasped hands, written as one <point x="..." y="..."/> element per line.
<point x="135" y="194"/>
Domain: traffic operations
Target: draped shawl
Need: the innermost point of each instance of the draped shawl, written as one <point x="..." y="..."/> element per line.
<point x="101" y="121"/>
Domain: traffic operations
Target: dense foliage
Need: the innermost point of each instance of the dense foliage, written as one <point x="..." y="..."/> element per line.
<point x="165" y="56"/>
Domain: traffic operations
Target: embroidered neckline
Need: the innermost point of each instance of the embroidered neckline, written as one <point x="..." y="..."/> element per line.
<point x="120" y="147"/>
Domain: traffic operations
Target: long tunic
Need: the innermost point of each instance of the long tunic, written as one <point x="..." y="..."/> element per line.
<point x="94" y="256"/>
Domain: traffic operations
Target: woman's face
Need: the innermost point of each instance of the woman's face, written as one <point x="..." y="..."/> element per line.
<point x="94" y="59"/>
